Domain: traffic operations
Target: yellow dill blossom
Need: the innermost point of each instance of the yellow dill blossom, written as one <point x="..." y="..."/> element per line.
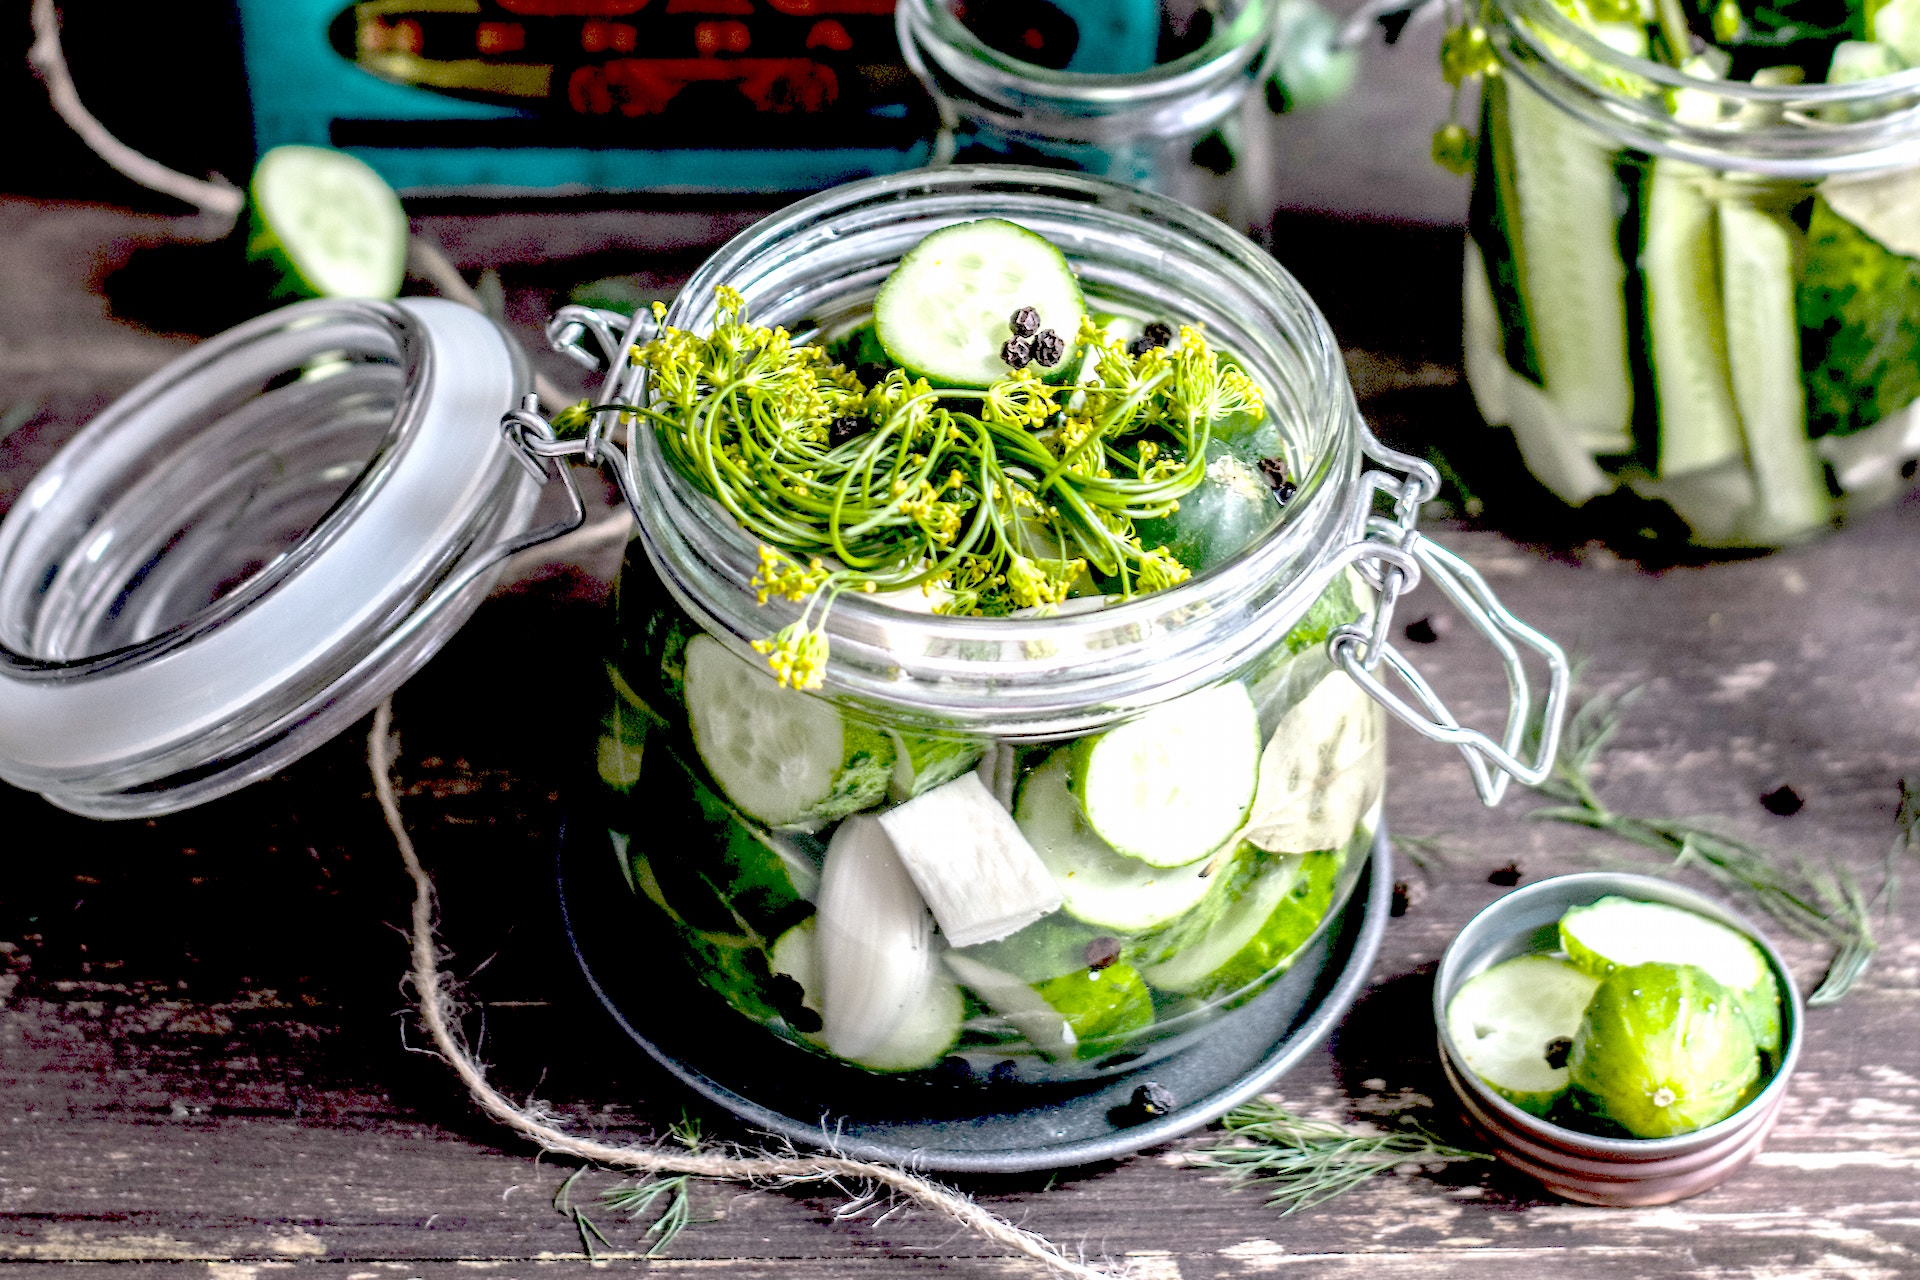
<point x="1159" y="570"/>
<point x="1040" y="582"/>
<point x="797" y="655"/>
<point x="1021" y="399"/>
<point x="780" y="576"/>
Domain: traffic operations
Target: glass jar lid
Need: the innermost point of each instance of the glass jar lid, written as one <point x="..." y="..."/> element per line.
<point x="248" y="550"/>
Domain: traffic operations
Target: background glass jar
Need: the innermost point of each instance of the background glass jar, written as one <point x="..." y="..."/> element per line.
<point x="782" y="840"/>
<point x="1118" y="88"/>
<point x="1704" y="291"/>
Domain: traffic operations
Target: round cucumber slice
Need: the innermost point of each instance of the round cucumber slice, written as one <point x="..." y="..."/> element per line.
<point x="1076" y="1014"/>
<point x="944" y="313"/>
<point x="1663" y="1050"/>
<point x="1101" y="887"/>
<point x="326" y="224"/>
<point x="1619" y="933"/>
<point x="783" y="756"/>
<point x="1514" y="1024"/>
<point x="1266" y="906"/>
<point x="1174" y="785"/>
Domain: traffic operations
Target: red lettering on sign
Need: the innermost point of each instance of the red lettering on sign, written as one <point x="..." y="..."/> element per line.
<point x="499" y="37"/>
<point x="829" y="34"/>
<point x="598" y="37"/>
<point x="712" y="38"/>
<point x="644" y="86"/>
<point x="573" y="8"/>
<point x="816" y="8"/>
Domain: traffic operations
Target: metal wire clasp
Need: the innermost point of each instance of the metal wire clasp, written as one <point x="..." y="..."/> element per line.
<point x="1391" y="554"/>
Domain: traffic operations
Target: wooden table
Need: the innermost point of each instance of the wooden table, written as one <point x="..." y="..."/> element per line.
<point x="205" y="1048"/>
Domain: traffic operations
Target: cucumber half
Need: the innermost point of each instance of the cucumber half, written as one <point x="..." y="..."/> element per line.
<point x="1514" y="1025"/>
<point x="784" y="757"/>
<point x="1174" y="785"/>
<point x="1619" y="933"/>
<point x="944" y="313"/>
<point x="326" y="224"/>
<point x="1101" y="887"/>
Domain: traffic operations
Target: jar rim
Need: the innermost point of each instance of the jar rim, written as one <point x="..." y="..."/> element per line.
<point x="1024" y="677"/>
<point x="1800" y="143"/>
<point x="932" y="20"/>
<point x="201" y="368"/>
<point x="397" y="560"/>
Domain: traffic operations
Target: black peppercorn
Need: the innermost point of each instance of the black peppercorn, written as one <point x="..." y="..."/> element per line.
<point x="1025" y="322"/>
<point x="1153" y="1099"/>
<point x="1017" y="352"/>
<point x="1049" y="348"/>
<point x="1557" y="1050"/>
<point x="845" y="428"/>
<point x="1102" y="951"/>
<point x="1157" y="334"/>
<point x="1275" y="472"/>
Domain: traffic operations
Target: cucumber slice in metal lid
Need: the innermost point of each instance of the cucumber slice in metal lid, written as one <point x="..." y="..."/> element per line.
<point x="1514" y="1026"/>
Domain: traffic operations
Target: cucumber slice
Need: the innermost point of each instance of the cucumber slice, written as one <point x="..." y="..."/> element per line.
<point x="921" y="764"/>
<point x="1265" y="908"/>
<point x="1572" y="275"/>
<point x="783" y="756"/>
<point x="1896" y="23"/>
<point x="1692" y="385"/>
<point x="1619" y="933"/>
<point x="622" y="746"/>
<point x="1101" y="887"/>
<point x="1076" y="1014"/>
<point x="1487" y="373"/>
<point x="796" y="955"/>
<point x="1552" y="445"/>
<point x="1174" y="785"/>
<point x="1324" y="767"/>
<point x="326" y="225"/>
<point x="1513" y="1023"/>
<point x="1763" y="353"/>
<point x="943" y="314"/>
<point x="1662" y="1050"/>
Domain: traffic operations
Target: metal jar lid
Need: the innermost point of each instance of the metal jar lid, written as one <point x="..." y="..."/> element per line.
<point x="248" y="550"/>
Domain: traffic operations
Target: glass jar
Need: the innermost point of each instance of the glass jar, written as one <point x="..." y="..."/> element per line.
<point x="1703" y="291"/>
<point x="922" y="866"/>
<point x="244" y="553"/>
<point x="1122" y="93"/>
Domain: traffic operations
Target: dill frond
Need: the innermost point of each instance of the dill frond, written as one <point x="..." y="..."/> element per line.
<point x="1820" y="900"/>
<point x="1003" y="496"/>
<point x="1300" y="1163"/>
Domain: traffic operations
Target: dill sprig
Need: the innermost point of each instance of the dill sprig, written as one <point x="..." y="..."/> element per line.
<point x="636" y="1199"/>
<point x="1821" y="901"/>
<point x="1301" y="1163"/>
<point x="1002" y="498"/>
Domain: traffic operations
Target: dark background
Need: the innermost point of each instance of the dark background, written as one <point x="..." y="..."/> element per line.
<point x="165" y="78"/>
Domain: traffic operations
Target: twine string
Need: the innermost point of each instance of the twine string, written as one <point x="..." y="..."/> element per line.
<point x="436" y="1006"/>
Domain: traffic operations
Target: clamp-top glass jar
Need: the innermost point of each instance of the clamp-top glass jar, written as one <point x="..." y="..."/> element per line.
<point x="1699" y="282"/>
<point x="1122" y="93"/>
<point x="1035" y="848"/>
